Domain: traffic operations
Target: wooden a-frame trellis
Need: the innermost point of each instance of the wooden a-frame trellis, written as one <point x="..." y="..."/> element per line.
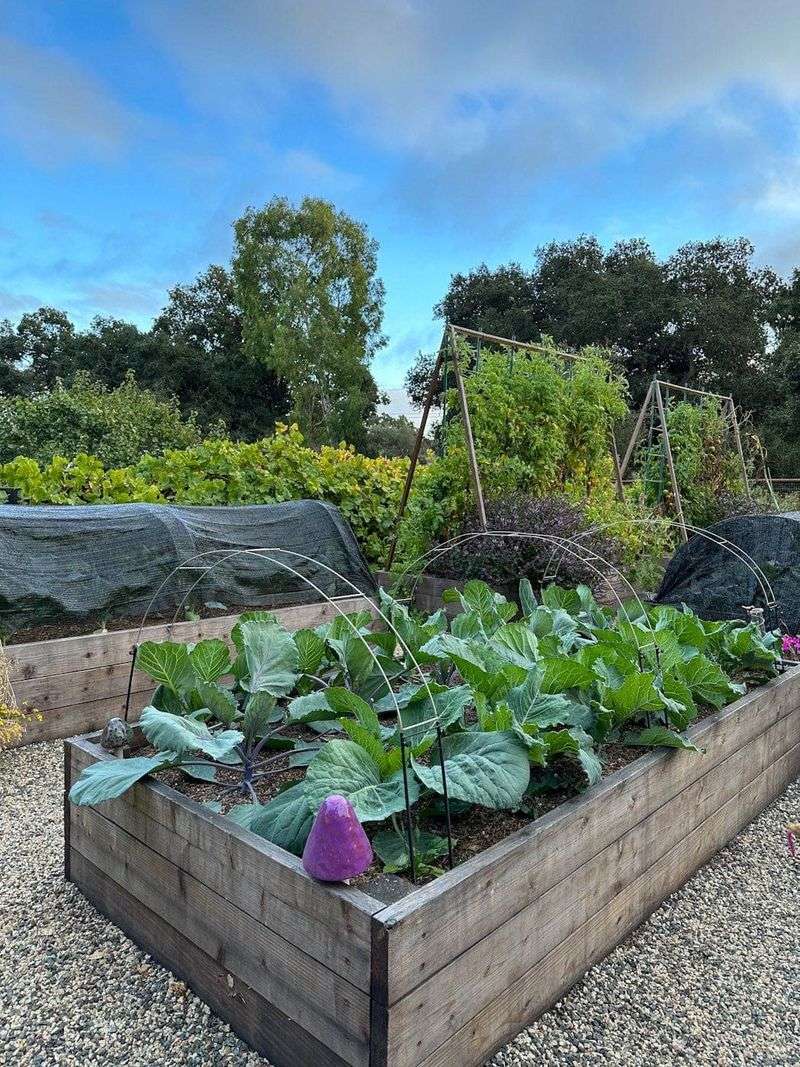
<point x="654" y="405"/>
<point x="447" y="359"/>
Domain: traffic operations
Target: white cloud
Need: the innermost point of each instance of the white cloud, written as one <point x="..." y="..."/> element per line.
<point x="781" y="194"/>
<point x="54" y="109"/>
<point x="440" y="77"/>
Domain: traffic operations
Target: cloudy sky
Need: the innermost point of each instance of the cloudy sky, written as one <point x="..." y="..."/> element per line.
<point x="132" y="134"/>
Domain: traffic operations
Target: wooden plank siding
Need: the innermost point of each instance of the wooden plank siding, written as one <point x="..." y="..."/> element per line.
<point x="328" y="975"/>
<point x="265" y="881"/>
<point x="439" y="921"/>
<point x="255" y="1019"/>
<point x="539" y="988"/>
<point x="78" y="683"/>
<point x="238" y="900"/>
<point x="514" y="948"/>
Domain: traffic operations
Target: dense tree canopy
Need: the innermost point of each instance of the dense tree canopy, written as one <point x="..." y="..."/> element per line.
<point x="706" y="316"/>
<point x="290" y="329"/>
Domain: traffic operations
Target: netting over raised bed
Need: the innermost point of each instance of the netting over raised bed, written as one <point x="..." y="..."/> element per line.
<point x="717" y="585"/>
<point x="70" y="564"/>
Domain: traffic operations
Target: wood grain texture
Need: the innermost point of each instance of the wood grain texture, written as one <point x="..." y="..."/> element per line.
<point x="80" y="682"/>
<point x="296" y="984"/>
<point x="332" y="930"/>
<point x="480" y="976"/>
<point x="79" y="719"/>
<point x="436" y="923"/>
<point x="539" y="988"/>
<point x="50" y="658"/>
<point x="253" y="1018"/>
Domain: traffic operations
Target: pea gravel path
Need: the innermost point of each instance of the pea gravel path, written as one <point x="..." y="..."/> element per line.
<point x="712" y="979"/>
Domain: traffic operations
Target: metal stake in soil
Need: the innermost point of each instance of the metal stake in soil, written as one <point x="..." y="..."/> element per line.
<point x="134" y="652"/>
<point x="446" y="795"/>
<point x="409" y="828"/>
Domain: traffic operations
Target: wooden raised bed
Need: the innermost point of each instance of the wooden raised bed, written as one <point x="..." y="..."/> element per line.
<point x="314" y="975"/>
<point x="79" y="683"/>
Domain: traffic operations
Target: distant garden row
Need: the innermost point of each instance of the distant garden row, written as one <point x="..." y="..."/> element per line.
<point x="543" y="435"/>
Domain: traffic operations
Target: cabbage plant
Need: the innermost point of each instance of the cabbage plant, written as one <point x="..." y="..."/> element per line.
<point x="525" y="696"/>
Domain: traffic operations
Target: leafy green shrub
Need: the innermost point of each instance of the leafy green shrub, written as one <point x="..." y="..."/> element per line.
<point x="116" y="426"/>
<point x="523" y="702"/>
<point x="218" y="471"/>
<point x="542" y="427"/>
<point x="707" y="467"/>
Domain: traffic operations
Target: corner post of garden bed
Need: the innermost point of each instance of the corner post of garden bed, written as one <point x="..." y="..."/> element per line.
<point x="379" y="994"/>
<point x="67" y="813"/>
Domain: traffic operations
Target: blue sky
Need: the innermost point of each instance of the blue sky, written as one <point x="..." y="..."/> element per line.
<point x="132" y="134"/>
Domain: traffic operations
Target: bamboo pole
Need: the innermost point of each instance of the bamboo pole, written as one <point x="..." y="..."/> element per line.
<point x="472" y="459"/>
<point x="693" y="392"/>
<point x="670" y="461"/>
<point x="738" y="438"/>
<point x="509" y="342"/>
<point x="434" y="381"/>
<point x="637" y="430"/>
<point x="617" y="470"/>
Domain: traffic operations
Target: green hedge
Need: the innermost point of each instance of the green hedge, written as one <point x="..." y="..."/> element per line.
<point x="218" y="471"/>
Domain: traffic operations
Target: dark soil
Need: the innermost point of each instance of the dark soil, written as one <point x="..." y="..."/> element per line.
<point x="84" y="627"/>
<point x="474" y="832"/>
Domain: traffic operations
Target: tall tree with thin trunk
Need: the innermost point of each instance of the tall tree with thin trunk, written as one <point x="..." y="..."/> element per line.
<point x="312" y="307"/>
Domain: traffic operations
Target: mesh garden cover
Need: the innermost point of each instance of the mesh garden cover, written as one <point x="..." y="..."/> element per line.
<point x="70" y="564"/>
<point x="716" y="585"/>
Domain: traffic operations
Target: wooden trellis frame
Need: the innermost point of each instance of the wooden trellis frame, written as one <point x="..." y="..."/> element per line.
<point x="654" y="397"/>
<point x="448" y="351"/>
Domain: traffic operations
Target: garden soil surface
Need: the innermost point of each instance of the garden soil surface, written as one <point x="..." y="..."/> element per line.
<point x="710" y="979"/>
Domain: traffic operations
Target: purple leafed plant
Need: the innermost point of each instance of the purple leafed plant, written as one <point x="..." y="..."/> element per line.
<point x="503" y="561"/>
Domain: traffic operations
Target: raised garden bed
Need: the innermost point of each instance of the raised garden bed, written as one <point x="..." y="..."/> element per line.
<point x="311" y="974"/>
<point x="78" y="683"/>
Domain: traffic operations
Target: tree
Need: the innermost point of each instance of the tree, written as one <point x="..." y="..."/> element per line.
<point x="620" y="299"/>
<point x="312" y="307"/>
<point x="40" y="349"/>
<point x="722" y="329"/>
<point x="393" y="435"/>
<point x="215" y="375"/>
<point x="117" y="426"/>
<point x="499" y="301"/>
<point x="11" y="378"/>
<point x="704" y="316"/>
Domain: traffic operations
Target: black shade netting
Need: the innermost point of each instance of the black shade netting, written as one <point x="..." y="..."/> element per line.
<point x="716" y="585"/>
<point x="105" y="562"/>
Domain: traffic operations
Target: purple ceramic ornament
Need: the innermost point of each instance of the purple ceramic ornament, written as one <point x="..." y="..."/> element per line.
<point x="337" y="847"/>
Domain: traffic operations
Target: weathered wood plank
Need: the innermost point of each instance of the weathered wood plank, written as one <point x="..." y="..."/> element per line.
<point x="541" y="986"/>
<point x="81" y="682"/>
<point x="249" y="1015"/>
<point x="337" y="937"/>
<point x="51" y="658"/>
<point x="483" y="972"/>
<point x="82" y="718"/>
<point x="341" y="910"/>
<point x="297" y="985"/>
<point x="437" y="922"/>
<point x="81" y="687"/>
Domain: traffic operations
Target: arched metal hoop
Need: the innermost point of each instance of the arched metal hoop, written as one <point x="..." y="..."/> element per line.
<point x="716" y="539"/>
<point x="269" y="554"/>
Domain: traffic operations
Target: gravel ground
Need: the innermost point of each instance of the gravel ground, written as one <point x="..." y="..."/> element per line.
<point x="711" y="979"/>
